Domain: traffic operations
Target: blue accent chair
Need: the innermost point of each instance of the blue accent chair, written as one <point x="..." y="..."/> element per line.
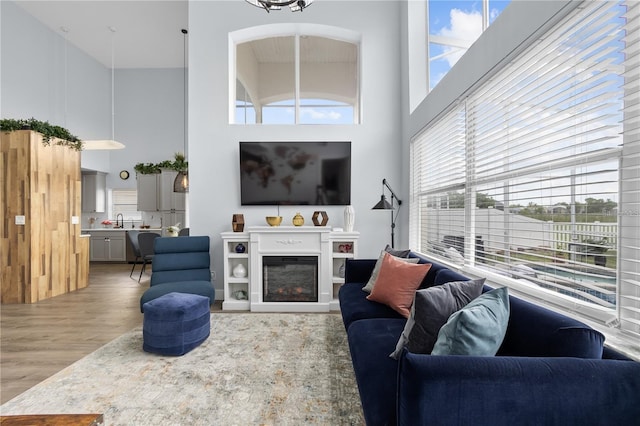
<point x="182" y="265"/>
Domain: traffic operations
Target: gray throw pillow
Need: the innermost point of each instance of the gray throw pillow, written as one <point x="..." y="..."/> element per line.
<point x="376" y="270"/>
<point x="478" y="329"/>
<point x="431" y="309"/>
<point x="397" y="253"/>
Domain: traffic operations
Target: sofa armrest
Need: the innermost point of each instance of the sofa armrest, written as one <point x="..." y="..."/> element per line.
<point x="358" y="270"/>
<point x="512" y="390"/>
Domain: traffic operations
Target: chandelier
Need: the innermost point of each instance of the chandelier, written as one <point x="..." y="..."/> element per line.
<point x="269" y="5"/>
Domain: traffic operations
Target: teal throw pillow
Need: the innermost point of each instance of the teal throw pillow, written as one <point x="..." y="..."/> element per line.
<point x="478" y="329"/>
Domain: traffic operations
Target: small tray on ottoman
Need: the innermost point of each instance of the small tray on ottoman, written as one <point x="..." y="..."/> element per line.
<point x="175" y="323"/>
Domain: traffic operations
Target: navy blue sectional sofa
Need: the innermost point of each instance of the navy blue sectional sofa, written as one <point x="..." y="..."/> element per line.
<point x="550" y="369"/>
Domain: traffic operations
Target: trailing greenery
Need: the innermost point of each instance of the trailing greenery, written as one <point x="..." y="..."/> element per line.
<point x="48" y="131"/>
<point x="179" y="164"/>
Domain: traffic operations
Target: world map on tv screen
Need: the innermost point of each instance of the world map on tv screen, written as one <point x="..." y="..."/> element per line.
<point x="295" y="173"/>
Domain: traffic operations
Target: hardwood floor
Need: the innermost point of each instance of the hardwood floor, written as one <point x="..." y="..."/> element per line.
<point x="40" y="339"/>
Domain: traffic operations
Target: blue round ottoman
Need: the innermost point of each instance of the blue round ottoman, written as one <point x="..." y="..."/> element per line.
<point x="175" y="323"/>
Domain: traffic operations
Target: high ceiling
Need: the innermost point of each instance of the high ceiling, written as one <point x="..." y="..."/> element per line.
<point x="147" y="33"/>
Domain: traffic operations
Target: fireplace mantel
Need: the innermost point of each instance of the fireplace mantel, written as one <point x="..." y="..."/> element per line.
<point x="246" y="292"/>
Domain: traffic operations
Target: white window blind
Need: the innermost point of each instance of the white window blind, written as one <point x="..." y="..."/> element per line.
<point x="550" y="171"/>
<point x="125" y="201"/>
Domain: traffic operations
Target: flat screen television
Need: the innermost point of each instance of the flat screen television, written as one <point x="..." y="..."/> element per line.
<point x="295" y="173"/>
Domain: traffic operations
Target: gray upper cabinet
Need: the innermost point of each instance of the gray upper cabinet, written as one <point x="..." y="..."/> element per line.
<point x="94" y="191"/>
<point x="148" y="192"/>
<point x="155" y="192"/>
<point x="170" y="200"/>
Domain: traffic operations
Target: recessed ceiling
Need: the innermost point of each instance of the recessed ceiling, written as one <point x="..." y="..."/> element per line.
<point x="147" y="33"/>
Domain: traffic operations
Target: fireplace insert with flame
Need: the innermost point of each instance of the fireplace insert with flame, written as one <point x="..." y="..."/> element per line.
<point x="290" y="278"/>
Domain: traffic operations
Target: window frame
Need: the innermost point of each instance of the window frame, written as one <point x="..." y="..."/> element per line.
<point x="297" y="30"/>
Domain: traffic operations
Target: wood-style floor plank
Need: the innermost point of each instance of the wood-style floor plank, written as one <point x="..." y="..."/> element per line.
<point x="40" y="339"/>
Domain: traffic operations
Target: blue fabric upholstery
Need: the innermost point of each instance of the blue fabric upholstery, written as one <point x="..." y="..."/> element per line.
<point x="456" y="390"/>
<point x="180" y="264"/>
<point x="175" y="323"/>
<point x="370" y="343"/>
<point x="550" y="369"/>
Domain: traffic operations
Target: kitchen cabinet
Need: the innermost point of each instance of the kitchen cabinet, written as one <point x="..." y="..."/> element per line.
<point x="108" y="246"/>
<point x="147" y="186"/>
<point x="94" y="191"/>
<point x="155" y="192"/>
<point x="170" y="200"/>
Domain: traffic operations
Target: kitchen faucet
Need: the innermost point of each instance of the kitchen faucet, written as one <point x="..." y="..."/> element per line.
<point x="119" y="220"/>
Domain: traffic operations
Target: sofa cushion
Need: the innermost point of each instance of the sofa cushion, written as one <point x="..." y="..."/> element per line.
<point x="430" y="279"/>
<point x="477" y="329"/>
<point x="431" y="309"/>
<point x="370" y="342"/>
<point x="354" y="305"/>
<point x="376" y="270"/>
<point x="397" y="283"/>
<point x="534" y="331"/>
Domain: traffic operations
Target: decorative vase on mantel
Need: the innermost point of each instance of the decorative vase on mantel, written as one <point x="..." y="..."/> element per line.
<point x="349" y="218"/>
<point x="298" y="220"/>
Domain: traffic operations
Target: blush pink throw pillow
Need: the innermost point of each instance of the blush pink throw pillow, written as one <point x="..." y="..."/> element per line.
<point x="397" y="283"/>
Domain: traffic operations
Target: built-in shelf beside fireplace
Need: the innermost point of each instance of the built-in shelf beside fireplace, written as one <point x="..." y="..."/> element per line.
<point x="314" y="253"/>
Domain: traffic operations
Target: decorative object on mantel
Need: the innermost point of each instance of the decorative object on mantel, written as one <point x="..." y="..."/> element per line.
<point x="269" y="5"/>
<point x="298" y="220"/>
<point x="239" y="271"/>
<point x="383" y="204"/>
<point x="237" y="223"/>
<point x="48" y="131"/>
<point x="349" y="218"/>
<point x="240" y="248"/>
<point x="321" y="214"/>
<point x="173" y="230"/>
<point x="181" y="182"/>
<point x="274" y="220"/>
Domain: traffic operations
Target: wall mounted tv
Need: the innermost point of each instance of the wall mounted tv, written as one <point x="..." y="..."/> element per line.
<point x="295" y="173"/>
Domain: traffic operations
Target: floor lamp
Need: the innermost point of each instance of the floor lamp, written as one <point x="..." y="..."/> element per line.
<point x="383" y="204"/>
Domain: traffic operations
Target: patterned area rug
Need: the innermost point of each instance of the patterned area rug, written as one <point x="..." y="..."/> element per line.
<point x="254" y="369"/>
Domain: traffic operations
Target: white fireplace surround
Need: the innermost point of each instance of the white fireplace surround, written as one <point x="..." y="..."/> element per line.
<point x="244" y="291"/>
<point x="290" y="241"/>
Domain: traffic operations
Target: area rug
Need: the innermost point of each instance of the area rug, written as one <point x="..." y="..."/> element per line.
<point x="254" y="369"/>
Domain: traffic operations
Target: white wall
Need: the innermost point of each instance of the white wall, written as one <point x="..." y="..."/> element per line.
<point x="213" y="143"/>
<point x="149" y="120"/>
<point x="33" y="78"/>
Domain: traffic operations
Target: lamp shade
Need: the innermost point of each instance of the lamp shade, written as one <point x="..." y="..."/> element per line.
<point x="383" y="204"/>
<point x="181" y="183"/>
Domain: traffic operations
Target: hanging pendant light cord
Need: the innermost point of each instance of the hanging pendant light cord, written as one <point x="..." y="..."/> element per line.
<point x="184" y="72"/>
<point x="113" y="101"/>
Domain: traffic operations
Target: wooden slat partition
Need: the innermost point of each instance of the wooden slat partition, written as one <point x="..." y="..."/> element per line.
<point x="44" y="257"/>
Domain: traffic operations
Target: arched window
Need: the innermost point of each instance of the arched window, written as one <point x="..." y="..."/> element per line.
<point x="309" y="75"/>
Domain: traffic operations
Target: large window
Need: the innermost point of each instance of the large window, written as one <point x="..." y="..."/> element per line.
<point x="296" y="79"/>
<point x="532" y="179"/>
<point x="453" y="26"/>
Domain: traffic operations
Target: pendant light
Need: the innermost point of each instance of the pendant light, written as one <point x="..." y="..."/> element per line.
<point x="181" y="183"/>
<point x="108" y="143"/>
